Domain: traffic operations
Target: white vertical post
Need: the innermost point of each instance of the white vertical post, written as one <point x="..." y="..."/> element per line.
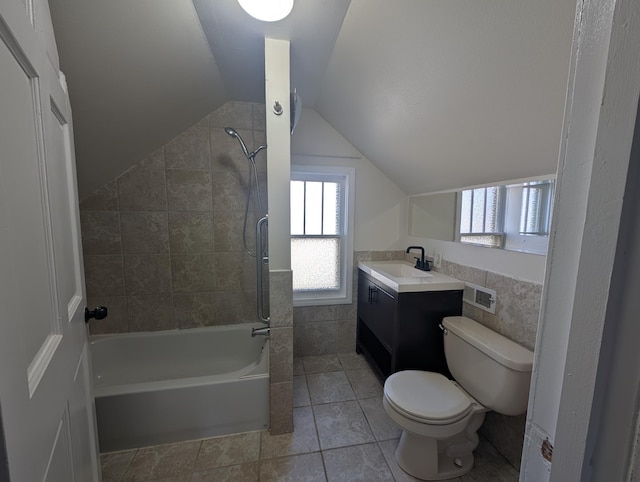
<point x="276" y="54"/>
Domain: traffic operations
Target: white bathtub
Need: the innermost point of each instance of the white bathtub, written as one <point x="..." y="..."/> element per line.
<point x="169" y="386"/>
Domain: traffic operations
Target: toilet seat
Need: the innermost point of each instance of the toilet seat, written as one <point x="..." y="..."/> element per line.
<point x="426" y="397"/>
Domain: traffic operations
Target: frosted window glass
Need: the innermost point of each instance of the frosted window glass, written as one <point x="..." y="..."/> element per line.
<point x="297" y="207"/>
<point x="477" y="221"/>
<point x="315" y="263"/>
<point x="491" y="210"/>
<point x="330" y="213"/>
<point x="465" y="215"/>
<point x="313" y="208"/>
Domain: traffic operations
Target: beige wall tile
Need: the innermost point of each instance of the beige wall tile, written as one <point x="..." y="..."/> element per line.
<point x="144" y="232"/>
<point x="155" y="160"/>
<point x="238" y="115"/>
<point x="229" y="190"/>
<point x="235" y="307"/>
<point x="142" y="190"/>
<point x="315" y="338"/>
<point x="192" y="272"/>
<point x="259" y="117"/>
<point x="191" y="310"/>
<point x="150" y="312"/>
<point x="146" y="274"/>
<point x="465" y="273"/>
<point x="179" y="222"/>
<point x="104" y="275"/>
<point x="100" y="232"/>
<point x="227" y="231"/>
<point x="281" y="354"/>
<point x="190" y="149"/>
<point x="191" y="232"/>
<point x="280" y="298"/>
<point x="303" y="314"/>
<point x="346" y="336"/>
<point x="239" y="272"/>
<point x="517" y="308"/>
<point x="189" y="190"/>
<point x="281" y="399"/>
<point x="104" y="198"/>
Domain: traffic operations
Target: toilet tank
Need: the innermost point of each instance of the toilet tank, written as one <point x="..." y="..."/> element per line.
<point x="491" y="368"/>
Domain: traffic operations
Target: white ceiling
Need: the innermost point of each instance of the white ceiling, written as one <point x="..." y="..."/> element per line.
<point x="437" y="94"/>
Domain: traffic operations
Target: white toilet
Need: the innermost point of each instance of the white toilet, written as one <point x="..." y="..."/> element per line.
<point x="440" y="417"/>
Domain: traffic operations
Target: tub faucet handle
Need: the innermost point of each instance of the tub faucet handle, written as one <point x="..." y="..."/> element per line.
<point x="260" y="331"/>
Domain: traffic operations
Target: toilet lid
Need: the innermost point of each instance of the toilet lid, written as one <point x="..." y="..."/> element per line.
<point x="426" y="395"/>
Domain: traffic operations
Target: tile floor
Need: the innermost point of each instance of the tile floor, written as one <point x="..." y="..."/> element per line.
<point x="341" y="434"/>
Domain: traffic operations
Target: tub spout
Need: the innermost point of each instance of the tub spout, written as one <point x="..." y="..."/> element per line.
<point x="261" y="331"/>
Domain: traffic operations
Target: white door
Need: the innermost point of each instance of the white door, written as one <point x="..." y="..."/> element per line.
<point x="46" y="400"/>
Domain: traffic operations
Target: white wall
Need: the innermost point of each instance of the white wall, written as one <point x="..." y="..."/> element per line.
<point x="380" y="205"/>
<point x="382" y="208"/>
<point x="523" y="266"/>
<point x="278" y="154"/>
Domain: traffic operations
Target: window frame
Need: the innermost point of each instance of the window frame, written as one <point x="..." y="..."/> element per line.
<point x="509" y="212"/>
<point x="498" y="234"/>
<point x="346" y="177"/>
<point x="534" y="243"/>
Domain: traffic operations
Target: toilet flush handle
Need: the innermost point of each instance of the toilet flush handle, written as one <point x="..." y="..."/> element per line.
<point x="444" y="330"/>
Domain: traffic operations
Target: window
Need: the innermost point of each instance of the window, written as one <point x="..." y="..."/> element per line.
<point x="481" y="214"/>
<point x="321" y="234"/>
<point x="515" y="217"/>
<point x="536" y="208"/>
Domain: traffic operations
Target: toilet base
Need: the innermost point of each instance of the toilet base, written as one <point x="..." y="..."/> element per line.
<point x="420" y="457"/>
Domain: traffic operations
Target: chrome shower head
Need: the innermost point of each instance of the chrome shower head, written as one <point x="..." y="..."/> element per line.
<point x="233" y="133"/>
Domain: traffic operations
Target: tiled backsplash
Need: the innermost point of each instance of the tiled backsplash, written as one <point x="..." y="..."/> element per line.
<point x="163" y="242"/>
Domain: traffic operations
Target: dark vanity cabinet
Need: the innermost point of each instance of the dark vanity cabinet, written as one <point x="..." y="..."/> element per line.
<point x="399" y="331"/>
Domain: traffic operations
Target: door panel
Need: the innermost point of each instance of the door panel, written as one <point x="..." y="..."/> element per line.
<point x="20" y="174"/>
<point x="59" y="467"/>
<point x="46" y="398"/>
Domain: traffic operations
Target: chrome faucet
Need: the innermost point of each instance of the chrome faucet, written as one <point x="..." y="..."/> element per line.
<point x="421" y="263"/>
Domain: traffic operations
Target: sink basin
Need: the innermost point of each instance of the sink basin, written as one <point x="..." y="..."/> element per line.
<point x="401" y="270"/>
<point x="402" y="277"/>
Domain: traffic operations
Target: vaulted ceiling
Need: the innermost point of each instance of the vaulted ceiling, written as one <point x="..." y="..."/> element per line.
<point x="437" y="94"/>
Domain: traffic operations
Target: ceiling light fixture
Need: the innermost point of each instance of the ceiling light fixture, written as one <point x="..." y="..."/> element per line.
<point x="267" y="10"/>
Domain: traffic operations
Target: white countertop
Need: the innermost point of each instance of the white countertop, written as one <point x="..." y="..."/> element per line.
<point x="402" y="277"/>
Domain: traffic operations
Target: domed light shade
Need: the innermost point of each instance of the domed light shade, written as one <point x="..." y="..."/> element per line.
<point x="267" y="10"/>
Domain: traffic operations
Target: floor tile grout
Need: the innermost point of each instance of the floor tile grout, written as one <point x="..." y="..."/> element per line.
<point x="262" y="461"/>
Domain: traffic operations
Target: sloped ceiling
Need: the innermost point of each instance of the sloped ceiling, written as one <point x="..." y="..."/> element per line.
<point x="437" y="94"/>
<point x="139" y="72"/>
<point x="450" y="94"/>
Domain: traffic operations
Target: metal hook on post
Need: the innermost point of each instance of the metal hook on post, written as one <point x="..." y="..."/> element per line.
<point x="277" y="108"/>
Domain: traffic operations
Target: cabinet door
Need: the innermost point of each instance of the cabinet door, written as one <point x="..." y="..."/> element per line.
<point x="376" y="308"/>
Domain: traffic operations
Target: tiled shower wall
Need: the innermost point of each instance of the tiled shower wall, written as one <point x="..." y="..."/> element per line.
<point x="329" y="329"/>
<point x="163" y="242"/>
